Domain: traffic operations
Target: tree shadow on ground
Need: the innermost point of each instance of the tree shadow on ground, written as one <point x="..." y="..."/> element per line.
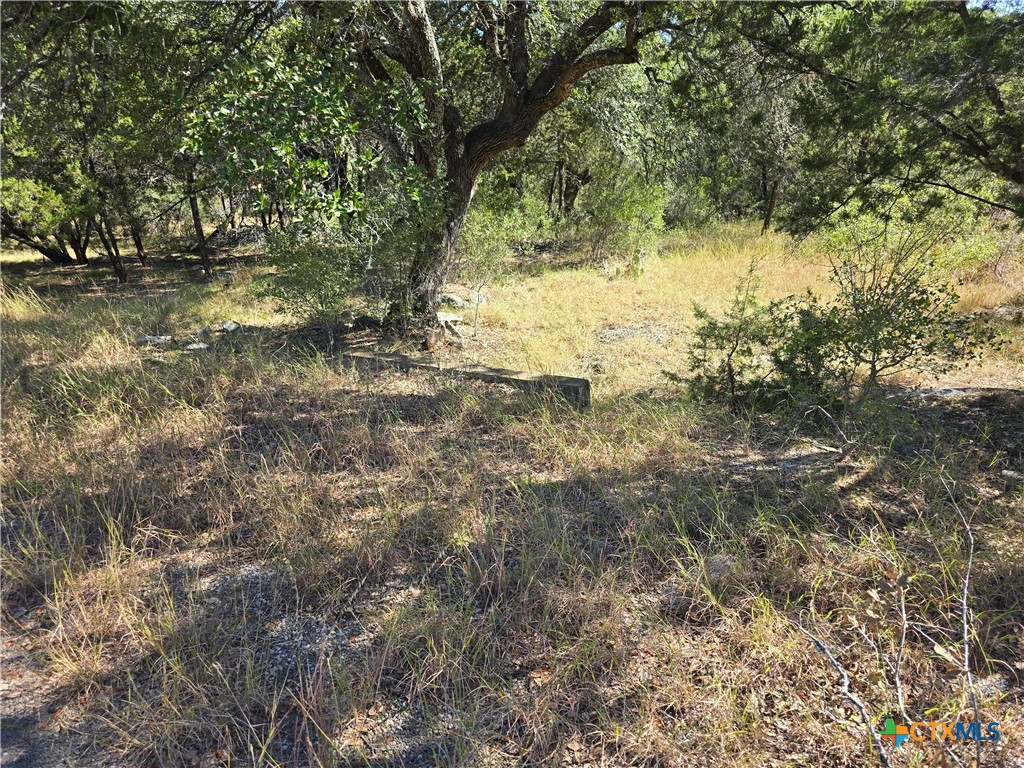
<point x="168" y="267"/>
<point x="434" y="502"/>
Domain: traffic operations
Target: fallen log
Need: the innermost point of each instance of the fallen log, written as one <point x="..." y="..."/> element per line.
<point x="573" y="389"/>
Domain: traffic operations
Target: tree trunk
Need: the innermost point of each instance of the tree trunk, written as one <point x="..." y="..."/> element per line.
<point x="111" y="250"/>
<point x="140" y="248"/>
<point x="63" y="246"/>
<point x="78" y="237"/>
<point x="464" y="152"/>
<point x="110" y="234"/>
<point x="551" y="189"/>
<point x="9" y="228"/>
<point x="197" y="222"/>
<point x="773" y="198"/>
<point x="574" y="182"/>
<point x="433" y="262"/>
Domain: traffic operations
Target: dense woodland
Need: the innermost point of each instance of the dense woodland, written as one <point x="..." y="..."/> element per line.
<point x="396" y="128"/>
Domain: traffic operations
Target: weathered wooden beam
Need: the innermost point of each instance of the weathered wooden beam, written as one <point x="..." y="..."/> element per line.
<point x="573" y="389"/>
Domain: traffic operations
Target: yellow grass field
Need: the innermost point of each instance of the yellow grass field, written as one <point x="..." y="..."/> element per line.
<point x="243" y="553"/>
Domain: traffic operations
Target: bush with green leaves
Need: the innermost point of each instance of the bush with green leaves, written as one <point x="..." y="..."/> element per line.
<point x="621" y="217"/>
<point x="758" y="350"/>
<point x="892" y="313"/>
<point x="321" y="269"/>
<point x="488" y="235"/>
<point x="314" y="274"/>
<point x="895" y="311"/>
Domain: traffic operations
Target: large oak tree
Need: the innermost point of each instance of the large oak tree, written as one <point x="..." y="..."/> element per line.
<point x="532" y="55"/>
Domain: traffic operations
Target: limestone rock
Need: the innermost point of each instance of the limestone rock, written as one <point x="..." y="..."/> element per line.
<point x="448" y="318"/>
<point x="454" y="300"/>
<point x="152" y="341"/>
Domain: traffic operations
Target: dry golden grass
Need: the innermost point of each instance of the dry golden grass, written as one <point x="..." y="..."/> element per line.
<point x="575" y="321"/>
<point x="248" y="556"/>
<point x="624" y="331"/>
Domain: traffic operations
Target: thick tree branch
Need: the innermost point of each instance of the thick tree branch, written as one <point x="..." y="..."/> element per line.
<point x="575" y="45"/>
<point x="552" y="86"/>
<point x="423" y="42"/>
<point x="489" y="27"/>
<point x="518" y="53"/>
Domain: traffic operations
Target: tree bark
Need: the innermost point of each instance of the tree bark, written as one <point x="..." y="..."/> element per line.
<point x="433" y="262"/>
<point x="574" y="182"/>
<point x="9" y="228"/>
<point x="197" y="223"/>
<point x="769" y="212"/>
<point x="62" y="245"/>
<point x="465" y="153"/>
<point x="112" y="253"/>
<point x="110" y="234"/>
<point x="78" y="237"/>
<point x="140" y="247"/>
<point x="552" y="187"/>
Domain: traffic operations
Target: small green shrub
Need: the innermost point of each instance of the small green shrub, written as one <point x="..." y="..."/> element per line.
<point x="892" y="313"/>
<point x="621" y="217"/>
<point x="728" y="356"/>
<point x="322" y="266"/>
<point x="315" y="275"/>
<point x="488" y="235"/>
<point x="895" y="312"/>
<point x="780" y="349"/>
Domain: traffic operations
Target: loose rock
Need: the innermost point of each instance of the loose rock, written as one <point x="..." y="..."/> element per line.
<point x="1012" y="478"/>
<point x="152" y="341"/>
<point x="448" y="318"/>
<point x="454" y="300"/>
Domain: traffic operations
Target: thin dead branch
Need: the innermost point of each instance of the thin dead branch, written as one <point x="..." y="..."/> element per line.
<point x="853" y="698"/>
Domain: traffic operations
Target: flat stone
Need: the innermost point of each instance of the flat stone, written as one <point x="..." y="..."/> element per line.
<point x="454" y="300"/>
<point x="197" y="346"/>
<point x="230" y="326"/>
<point x="152" y="341"/>
<point x="1012" y="478"/>
<point x="449" y="318"/>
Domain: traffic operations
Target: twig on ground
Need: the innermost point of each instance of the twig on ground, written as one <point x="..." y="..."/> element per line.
<point x="853" y="698"/>
<point x="965" y="621"/>
<point x="900" y="699"/>
<point x="831" y="420"/>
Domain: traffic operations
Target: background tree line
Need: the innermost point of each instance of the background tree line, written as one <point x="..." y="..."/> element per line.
<point x="393" y="144"/>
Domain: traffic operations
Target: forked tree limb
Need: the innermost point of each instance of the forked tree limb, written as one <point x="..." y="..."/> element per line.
<point x="853" y="698"/>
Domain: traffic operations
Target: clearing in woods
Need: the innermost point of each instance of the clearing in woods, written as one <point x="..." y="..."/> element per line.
<point x="224" y="548"/>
